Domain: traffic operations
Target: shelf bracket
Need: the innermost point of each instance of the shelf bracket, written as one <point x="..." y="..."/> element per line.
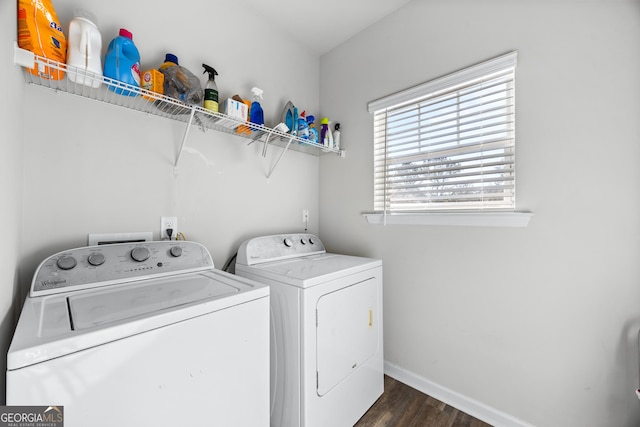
<point x="284" y="150"/>
<point x="266" y="144"/>
<point x="184" y="139"/>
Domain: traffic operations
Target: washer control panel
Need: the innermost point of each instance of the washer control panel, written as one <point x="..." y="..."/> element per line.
<point x="93" y="266"/>
<point x="277" y="247"/>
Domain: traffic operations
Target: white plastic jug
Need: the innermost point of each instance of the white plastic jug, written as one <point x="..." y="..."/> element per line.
<point x="84" y="50"/>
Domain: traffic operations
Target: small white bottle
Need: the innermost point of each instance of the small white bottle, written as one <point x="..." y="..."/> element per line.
<point x="336" y="137"/>
<point x="330" y="134"/>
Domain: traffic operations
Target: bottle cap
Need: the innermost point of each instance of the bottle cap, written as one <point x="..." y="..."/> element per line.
<point x="257" y="92"/>
<point x="170" y="57"/>
<point x="324" y="121"/>
<point x="79" y="12"/>
<point x="125" y="33"/>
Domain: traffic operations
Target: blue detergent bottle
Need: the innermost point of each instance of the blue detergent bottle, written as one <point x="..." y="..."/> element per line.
<point x="122" y="63"/>
<point x="303" y="126"/>
<point x="256" y="115"/>
<point x="313" y="132"/>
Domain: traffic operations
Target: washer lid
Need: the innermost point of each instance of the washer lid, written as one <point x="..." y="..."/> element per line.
<point x="88" y="310"/>
<point x="56" y="325"/>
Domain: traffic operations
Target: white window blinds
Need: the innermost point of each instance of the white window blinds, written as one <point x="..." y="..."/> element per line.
<point x="448" y="144"/>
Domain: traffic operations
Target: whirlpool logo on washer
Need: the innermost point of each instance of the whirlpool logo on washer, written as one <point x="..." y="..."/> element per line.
<point x="52" y="283"/>
<point x="31" y="416"/>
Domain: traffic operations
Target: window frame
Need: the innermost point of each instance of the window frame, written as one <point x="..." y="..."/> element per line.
<point x="435" y="215"/>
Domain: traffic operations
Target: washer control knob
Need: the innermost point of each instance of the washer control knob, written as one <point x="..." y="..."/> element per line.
<point x="96" y="259"/>
<point x="303" y="241"/>
<point x="288" y="242"/>
<point x="140" y="254"/>
<point x="66" y="262"/>
<point x="311" y="241"/>
<point x="175" y="251"/>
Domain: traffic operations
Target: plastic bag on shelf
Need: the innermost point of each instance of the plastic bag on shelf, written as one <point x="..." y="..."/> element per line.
<point x="182" y="84"/>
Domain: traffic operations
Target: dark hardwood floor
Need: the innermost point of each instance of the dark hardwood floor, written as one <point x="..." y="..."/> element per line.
<point x="403" y="406"/>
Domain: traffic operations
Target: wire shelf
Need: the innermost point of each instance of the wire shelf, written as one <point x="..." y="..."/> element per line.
<point x="103" y="89"/>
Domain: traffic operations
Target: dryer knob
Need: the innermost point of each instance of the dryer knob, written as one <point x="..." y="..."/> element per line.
<point x="303" y="241"/>
<point x="288" y="242"/>
<point x="311" y="241"/>
<point x="140" y="254"/>
<point x="66" y="262"/>
<point x="96" y="259"/>
<point x="175" y="251"/>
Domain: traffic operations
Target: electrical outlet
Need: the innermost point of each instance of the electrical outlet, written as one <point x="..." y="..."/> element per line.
<point x="305" y="215"/>
<point x="168" y="222"/>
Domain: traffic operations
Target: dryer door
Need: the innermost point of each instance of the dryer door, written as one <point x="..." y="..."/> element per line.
<point x="347" y="332"/>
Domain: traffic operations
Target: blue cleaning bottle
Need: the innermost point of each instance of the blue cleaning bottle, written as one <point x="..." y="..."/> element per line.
<point x="303" y="126"/>
<point x="256" y="115"/>
<point x="313" y="132"/>
<point x="122" y="63"/>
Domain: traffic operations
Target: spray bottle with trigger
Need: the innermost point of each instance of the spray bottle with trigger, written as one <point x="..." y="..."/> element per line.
<point x="210" y="89"/>
<point x="256" y="115"/>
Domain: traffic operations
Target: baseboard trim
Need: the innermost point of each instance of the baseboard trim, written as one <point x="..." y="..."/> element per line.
<point x="463" y="403"/>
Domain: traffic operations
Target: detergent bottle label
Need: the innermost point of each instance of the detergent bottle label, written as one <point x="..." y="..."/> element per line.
<point x="211" y="100"/>
<point x="135" y="73"/>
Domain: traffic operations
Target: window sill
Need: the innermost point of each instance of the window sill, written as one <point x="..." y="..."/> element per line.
<point x="481" y="219"/>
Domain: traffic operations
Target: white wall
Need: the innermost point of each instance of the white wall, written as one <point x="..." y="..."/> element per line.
<point x="537" y="323"/>
<point x="11" y="107"/>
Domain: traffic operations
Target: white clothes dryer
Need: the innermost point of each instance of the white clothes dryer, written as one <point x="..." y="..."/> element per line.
<point x="326" y="329"/>
<point x="144" y="334"/>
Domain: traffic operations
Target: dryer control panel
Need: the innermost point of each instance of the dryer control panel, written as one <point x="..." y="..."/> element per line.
<point x="277" y="247"/>
<point x="93" y="266"/>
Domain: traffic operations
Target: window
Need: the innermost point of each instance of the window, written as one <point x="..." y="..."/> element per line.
<point x="448" y="145"/>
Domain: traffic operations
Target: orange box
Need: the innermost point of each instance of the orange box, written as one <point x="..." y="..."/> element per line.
<point x="152" y="80"/>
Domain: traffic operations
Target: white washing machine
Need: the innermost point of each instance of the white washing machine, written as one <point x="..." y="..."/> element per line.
<point x="145" y="334"/>
<point x="326" y="329"/>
